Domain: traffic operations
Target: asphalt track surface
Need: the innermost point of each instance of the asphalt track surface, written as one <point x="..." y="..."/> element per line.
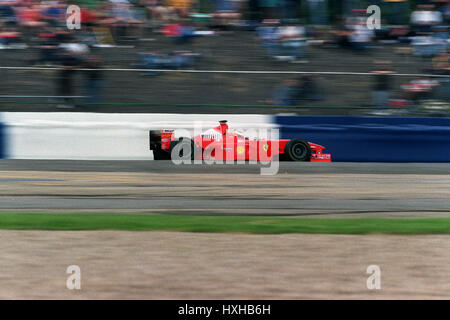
<point x="169" y="167"/>
<point x="241" y="206"/>
<point x="246" y="197"/>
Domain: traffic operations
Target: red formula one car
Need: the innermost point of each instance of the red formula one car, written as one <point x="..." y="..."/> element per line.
<point x="220" y="143"/>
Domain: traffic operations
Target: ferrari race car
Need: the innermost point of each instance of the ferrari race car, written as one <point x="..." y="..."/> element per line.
<point x="221" y="144"/>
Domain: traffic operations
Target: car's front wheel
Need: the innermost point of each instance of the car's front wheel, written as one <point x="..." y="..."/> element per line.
<point x="297" y="150"/>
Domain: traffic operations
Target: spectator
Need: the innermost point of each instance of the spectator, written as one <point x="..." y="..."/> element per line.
<point x="68" y="63"/>
<point x="91" y="18"/>
<point x="419" y="89"/>
<point x="223" y="5"/>
<point x="182" y="33"/>
<point x="382" y="85"/>
<point x="225" y="14"/>
<point x="94" y="78"/>
<point x="360" y="36"/>
<point x="30" y="16"/>
<point x="286" y="93"/>
<point x="340" y="34"/>
<point x="318" y="11"/>
<point x="158" y="11"/>
<point x="68" y="44"/>
<point x="293" y="42"/>
<point x="11" y="38"/>
<point x="53" y="14"/>
<point x="445" y="11"/>
<point x="294" y="91"/>
<point x="396" y="11"/>
<point x="125" y="21"/>
<point x="183" y="59"/>
<point x="441" y="66"/>
<point x="441" y="63"/>
<point x="424" y="18"/>
<point x="270" y="9"/>
<point x="72" y="55"/>
<point x="181" y="7"/>
<point x="432" y="44"/>
<point x="268" y="34"/>
<point x="174" y="60"/>
<point x="48" y="46"/>
<point x="308" y="88"/>
<point x="7" y="14"/>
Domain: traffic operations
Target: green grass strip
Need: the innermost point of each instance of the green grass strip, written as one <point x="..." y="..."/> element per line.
<point x="190" y="223"/>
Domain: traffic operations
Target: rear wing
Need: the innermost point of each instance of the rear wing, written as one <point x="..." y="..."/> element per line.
<point x="160" y="139"/>
<point x="154" y="139"/>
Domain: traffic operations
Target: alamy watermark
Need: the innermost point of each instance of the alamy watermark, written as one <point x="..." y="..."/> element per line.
<point x="373" y="21"/>
<point x="73" y="282"/>
<point x="374" y="280"/>
<point x="248" y="147"/>
<point x="73" y="17"/>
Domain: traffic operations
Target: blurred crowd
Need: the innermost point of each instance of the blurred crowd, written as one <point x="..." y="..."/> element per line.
<point x="426" y="35"/>
<point x="285" y="29"/>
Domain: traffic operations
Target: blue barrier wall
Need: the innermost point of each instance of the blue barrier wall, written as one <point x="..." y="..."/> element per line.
<point x="2" y="141"/>
<point x="373" y="139"/>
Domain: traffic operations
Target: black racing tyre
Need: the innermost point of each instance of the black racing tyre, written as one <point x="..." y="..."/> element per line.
<point x="178" y="149"/>
<point x="159" y="154"/>
<point x="297" y="150"/>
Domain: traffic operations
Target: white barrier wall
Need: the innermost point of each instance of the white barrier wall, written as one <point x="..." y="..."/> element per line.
<point x="101" y="136"/>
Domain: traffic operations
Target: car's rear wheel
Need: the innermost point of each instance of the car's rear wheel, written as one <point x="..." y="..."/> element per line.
<point x="297" y="150"/>
<point x="159" y="154"/>
<point x="183" y="149"/>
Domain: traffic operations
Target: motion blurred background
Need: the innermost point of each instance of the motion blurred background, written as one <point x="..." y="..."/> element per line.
<point x="226" y="56"/>
<point x="79" y="160"/>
